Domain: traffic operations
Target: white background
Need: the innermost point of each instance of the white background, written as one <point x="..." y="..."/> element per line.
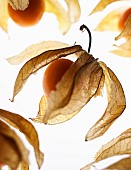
<point x="64" y="144"/>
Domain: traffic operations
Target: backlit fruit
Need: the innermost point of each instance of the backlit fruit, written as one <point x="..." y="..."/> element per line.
<point x="30" y="16"/>
<point x="54" y="73"/>
<point x="124" y="18"/>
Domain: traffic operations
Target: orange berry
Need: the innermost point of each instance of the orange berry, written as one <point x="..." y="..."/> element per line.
<point x="30" y="16"/>
<point x="124" y="18"/>
<point x="54" y="73"/>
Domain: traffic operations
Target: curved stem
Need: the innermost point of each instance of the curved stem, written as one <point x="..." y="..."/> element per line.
<point x="82" y="27"/>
